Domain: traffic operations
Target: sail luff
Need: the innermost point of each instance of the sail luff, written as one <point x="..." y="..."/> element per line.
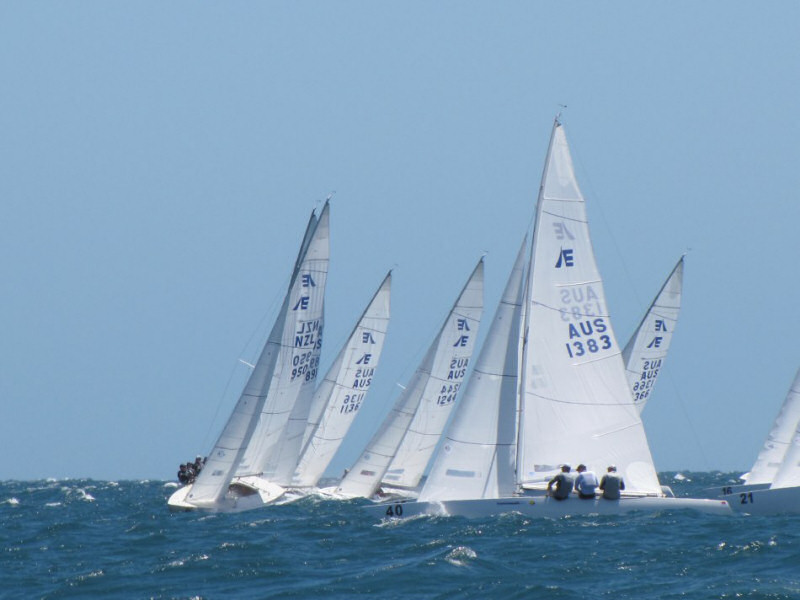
<point x="525" y="329"/>
<point x="646" y="351"/>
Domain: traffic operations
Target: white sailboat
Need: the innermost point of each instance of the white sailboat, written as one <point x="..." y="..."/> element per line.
<point x="773" y="484"/>
<point x="431" y="392"/>
<point x="574" y="402"/>
<point x="646" y="351"/>
<point x="343" y="390"/>
<point x="233" y="477"/>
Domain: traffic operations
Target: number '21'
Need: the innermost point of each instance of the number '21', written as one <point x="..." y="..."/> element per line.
<point x="746" y="498"/>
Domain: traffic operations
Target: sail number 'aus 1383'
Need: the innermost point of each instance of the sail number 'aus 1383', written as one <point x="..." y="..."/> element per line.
<point x="587" y="337"/>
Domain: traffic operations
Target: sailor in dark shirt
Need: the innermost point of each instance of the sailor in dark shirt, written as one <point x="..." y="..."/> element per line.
<point x="563" y="482"/>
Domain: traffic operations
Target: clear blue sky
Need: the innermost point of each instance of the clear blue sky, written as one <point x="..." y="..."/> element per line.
<point x="158" y="162"/>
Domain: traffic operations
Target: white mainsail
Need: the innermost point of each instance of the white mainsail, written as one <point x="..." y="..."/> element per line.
<point x="788" y="474"/>
<point x="774" y="457"/>
<point x="212" y="483"/>
<point x="298" y="346"/>
<point x="576" y="405"/>
<point x="646" y="351"/>
<point x="477" y="457"/>
<point x="344" y="389"/>
<point x="434" y="384"/>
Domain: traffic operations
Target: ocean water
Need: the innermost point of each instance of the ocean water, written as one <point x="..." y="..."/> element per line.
<point x="97" y="539"/>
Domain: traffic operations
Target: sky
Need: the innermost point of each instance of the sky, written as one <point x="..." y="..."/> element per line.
<point x="158" y="163"/>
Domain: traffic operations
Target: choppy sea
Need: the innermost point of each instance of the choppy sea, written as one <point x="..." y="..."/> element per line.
<point x="100" y="539"/>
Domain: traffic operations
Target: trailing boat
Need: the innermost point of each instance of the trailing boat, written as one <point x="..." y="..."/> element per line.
<point x="646" y="351"/>
<point x="243" y="470"/>
<point x="772" y="486"/>
<point x="421" y="411"/>
<point x="550" y="385"/>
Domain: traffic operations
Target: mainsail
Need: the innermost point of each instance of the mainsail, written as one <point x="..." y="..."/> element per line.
<point x="344" y="389"/>
<point x="477" y="457"/>
<point x="576" y="403"/>
<point x="646" y="351"/>
<point x="433" y="386"/>
<point x="212" y="483"/>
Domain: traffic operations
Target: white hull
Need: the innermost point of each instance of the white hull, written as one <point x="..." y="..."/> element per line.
<point x="244" y="493"/>
<point x="543" y="506"/>
<point x="734" y="490"/>
<point x="771" y="501"/>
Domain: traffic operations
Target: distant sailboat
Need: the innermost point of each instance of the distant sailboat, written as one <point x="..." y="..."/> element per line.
<point x="646" y="351"/>
<point x="234" y="478"/>
<point x="773" y="484"/>
<point x="431" y="393"/>
<point x="573" y="399"/>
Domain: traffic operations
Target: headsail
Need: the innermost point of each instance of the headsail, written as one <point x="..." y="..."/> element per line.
<point x="576" y="405"/>
<point x="477" y="457"/>
<point x="646" y="351"/>
<point x="774" y="463"/>
<point x="434" y="385"/>
<point x="344" y="389"/>
<point x="212" y="482"/>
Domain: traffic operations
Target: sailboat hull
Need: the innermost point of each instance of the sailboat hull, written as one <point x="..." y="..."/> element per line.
<point x="244" y="493"/>
<point x="771" y="501"/>
<point x="545" y="507"/>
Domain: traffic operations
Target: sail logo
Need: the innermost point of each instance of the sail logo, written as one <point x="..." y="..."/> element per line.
<point x="562" y="232"/>
<point x="366" y="338"/>
<point x="661" y="325"/>
<point x="566" y="258"/>
<point x="656" y="343"/>
<point x="302" y="303"/>
<point x="461" y="342"/>
<point x="364" y="360"/>
<point x="307" y="281"/>
<point x="462" y="325"/>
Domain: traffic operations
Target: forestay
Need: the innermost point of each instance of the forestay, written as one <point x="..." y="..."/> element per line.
<point x="344" y="389"/>
<point x="646" y="351"/>
<point x="576" y="405"/>
<point x="433" y="385"/>
<point x="477" y="457"/>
